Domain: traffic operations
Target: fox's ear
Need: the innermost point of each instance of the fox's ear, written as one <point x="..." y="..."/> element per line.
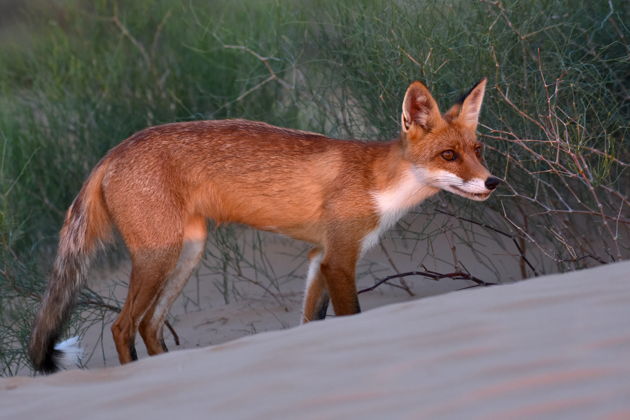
<point x="453" y="112"/>
<point x="419" y="109"/>
<point x="471" y="105"/>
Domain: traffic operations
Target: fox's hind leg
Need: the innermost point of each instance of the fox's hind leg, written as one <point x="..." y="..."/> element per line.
<point x="152" y="227"/>
<point x="151" y="327"/>
<point x="150" y="269"/>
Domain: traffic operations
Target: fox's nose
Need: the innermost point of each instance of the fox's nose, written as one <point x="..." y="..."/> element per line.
<point x="492" y="182"/>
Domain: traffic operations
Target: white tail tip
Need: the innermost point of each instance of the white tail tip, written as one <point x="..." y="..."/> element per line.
<point x="70" y="353"/>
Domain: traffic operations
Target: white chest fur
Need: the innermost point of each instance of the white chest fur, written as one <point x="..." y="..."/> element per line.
<point x="393" y="202"/>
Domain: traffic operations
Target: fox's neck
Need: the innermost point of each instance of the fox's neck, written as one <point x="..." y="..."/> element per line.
<point x="399" y="184"/>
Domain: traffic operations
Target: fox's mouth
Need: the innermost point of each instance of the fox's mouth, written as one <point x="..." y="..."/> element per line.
<point x="473" y="196"/>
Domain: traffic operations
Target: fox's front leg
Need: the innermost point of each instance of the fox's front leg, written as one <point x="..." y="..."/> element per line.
<point x="338" y="271"/>
<point x="316" y="294"/>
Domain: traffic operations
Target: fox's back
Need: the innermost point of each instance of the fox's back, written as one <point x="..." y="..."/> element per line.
<point x="234" y="170"/>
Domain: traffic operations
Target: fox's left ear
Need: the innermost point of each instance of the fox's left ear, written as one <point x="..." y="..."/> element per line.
<point x="467" y="111"/>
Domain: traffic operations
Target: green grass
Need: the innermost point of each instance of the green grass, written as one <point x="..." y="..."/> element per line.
<point x="89" y="74"/>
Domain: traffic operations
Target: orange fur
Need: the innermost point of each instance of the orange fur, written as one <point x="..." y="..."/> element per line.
<point x="161" y="185"/>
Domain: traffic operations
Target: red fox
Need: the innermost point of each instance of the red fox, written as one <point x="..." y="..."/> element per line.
<point x="159" y="187"/>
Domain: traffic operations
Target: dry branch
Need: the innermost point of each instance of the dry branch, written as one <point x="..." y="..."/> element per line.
<point x="432" y="275"/>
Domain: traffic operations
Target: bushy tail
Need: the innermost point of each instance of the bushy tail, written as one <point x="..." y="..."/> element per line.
<point x="87" y="223"/>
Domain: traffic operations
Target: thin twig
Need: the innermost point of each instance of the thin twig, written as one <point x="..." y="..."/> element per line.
<point x="432" y="275"/>
<point x="133" y="40"/>
<point x="403" y="283"/>
<point x="272" y="74"/>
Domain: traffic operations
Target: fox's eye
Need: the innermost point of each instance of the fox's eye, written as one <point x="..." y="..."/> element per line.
<point x="449" y="155"/>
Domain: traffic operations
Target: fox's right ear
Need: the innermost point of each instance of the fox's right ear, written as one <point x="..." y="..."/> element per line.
<point x="419" y="109"/>
<point x="471" y="105"/>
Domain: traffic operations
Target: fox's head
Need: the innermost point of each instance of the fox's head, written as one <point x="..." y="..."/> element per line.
<point x="444" y="148"/>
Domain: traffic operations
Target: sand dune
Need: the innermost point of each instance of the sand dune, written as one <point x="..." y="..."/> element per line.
<point x="555" y="346"/>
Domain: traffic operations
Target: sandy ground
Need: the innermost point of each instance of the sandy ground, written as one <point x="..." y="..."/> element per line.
<point x="551" y="347"/>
